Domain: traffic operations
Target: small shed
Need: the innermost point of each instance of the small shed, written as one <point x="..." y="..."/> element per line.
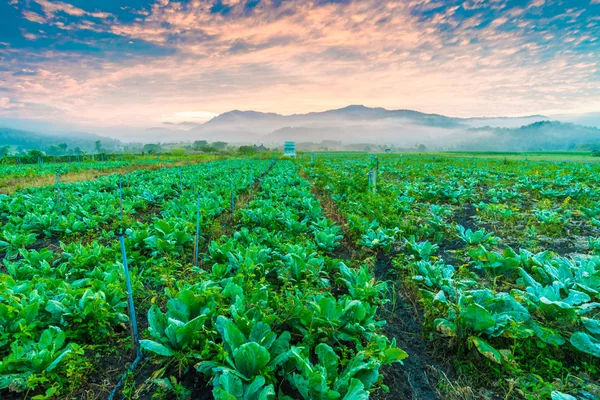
<point x="289" y="149"/>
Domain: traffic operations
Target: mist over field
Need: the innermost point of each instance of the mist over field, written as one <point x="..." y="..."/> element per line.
<point x="349" y="126"/>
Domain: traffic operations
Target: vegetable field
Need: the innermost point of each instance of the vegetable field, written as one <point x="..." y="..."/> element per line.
<point x="327" y="277"/>
<point x="16" y="174"/>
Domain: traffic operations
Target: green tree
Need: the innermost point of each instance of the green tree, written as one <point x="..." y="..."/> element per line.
<point x="98" y="146"/>
<point x="52" y="150"/>
<point x="34" y="154"/>
<point x="199" y="144"/>
<point x="152" y="148"/>
<point x="63" y="147"/>
<point x="219" y="145"/>
<point x="246" y="150"/>
<point x="209" y="149"/>
<point x="4" y="151"/>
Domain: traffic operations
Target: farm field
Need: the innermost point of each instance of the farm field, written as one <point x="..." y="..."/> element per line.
<point x="15" y="176"/>
<point x="555" y="156"/>
<point x="448" y="277"/>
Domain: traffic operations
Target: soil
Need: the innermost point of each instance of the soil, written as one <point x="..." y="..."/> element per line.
<point x="464" y="216"/>
<point x="414" y="379"/>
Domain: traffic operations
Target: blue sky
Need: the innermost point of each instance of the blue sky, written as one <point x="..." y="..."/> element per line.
<point x="145" y="63"/>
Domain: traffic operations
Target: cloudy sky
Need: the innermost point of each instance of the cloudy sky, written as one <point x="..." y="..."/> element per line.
<point x="146" y="63"/>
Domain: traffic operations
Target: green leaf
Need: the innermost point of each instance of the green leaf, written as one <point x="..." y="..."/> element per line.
<point x="477" y="318"/>
<point x="268" y="393"/>
<point x="440" y="297"/>
<point x="592" y="325"/>
<point x="561" y="396"/>
<point x="356" y="391"/>
<point x="486" y="349"/>
<point x="394" y="354"/>
<point x="157" y="322"/>
<point x="156" y="348"/>
<point x="230" y="333"/>
<point x="547" y="335"/>
<point x="328" y="359"/>
<point x="250" y="358"/>
<point x="57" y="360"/>
<point x="586" y="343"/>
<point x="228" y="387"/>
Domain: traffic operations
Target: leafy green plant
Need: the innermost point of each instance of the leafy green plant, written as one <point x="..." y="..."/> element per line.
<point x="473" y="238"/>
<point x="29" y="357"/>
<point x="361" y="284"/>
<point x="248" y="361"/>
<point x="177" y="329"/>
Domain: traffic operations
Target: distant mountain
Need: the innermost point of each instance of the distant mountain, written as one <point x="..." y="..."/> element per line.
<point x="539" y="136"/>
<point x="349" y="123"/>
<point x="589" y="119"/>
<point x="26" y="140"/>
<point x="504" y="122"/>
<point x="352" y="124"/>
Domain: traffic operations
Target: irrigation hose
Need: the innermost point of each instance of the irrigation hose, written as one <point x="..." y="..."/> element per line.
<point x="130" y="369"/>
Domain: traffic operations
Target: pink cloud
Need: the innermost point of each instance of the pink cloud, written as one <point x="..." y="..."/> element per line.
<point x="303" y="57"/>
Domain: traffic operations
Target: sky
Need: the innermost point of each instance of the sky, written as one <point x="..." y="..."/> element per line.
<point x="139" y="63"/>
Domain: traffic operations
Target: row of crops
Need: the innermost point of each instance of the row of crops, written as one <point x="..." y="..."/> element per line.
<point x="18" y="176"/>
<point x="19" y="171"/>
<point x="503" y="257"/>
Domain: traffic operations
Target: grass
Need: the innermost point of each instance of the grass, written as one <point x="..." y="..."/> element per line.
<point x="555" y="156"/>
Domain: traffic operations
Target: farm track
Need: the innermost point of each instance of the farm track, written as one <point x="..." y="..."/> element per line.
<point x="137" y="381"/>
<point x="417" y="378"/>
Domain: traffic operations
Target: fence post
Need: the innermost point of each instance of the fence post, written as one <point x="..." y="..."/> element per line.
<point x="133" y="322"/>
<point x="375" y="175"/>
<point x="57" y="188"/>
<point x="121" y="194"/>
<point x="232" y="199"/>
<point x="197" y="245"/>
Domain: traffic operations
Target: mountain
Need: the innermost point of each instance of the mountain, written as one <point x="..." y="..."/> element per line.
<point x="504" y="122"/>
<point x="539" y="136"/>
<point x="352" y="124"/>
<point x="589" y="119"/>
<point x="26" y="140"/>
